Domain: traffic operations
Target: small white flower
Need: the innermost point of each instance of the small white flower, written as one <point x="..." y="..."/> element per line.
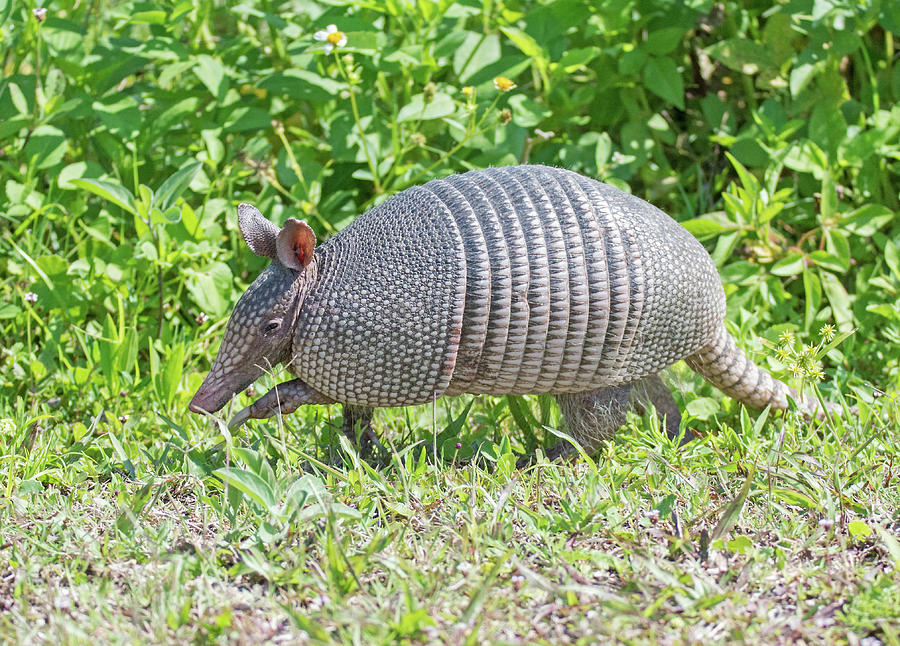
<point x="39" y="13"/>
<point x="30" y="297"/>
<point x="332" y="38"/>
<point x="504" y="84"/>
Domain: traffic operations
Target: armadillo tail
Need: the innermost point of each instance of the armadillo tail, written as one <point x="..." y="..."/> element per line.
<point x="723" y="364"/>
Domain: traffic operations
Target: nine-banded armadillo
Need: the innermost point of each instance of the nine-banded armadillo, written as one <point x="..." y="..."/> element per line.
<point x="523" y="279"/>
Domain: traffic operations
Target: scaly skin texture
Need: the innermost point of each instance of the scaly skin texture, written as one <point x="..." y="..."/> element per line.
<point x="524" y="279"/>
<point x="422" y="295"/>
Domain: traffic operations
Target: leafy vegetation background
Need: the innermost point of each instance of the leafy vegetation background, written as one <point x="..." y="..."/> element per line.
<point x="129" y="132"/>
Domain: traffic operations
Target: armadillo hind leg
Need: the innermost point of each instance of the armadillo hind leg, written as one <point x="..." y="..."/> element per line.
<point x="652" y="390"/>
<point x="591" y="417"/>
<point x="723" y="364"/>
<point x="357" y="427"/>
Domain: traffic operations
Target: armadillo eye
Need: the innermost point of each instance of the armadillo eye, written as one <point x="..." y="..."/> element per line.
<point x="271" y="326"/>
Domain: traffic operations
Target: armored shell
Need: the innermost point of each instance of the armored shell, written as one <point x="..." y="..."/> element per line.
<point x="523" y="279"/>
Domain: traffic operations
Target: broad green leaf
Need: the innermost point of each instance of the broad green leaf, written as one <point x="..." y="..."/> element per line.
<point x="603" y="150"/>
<point x="807" y="157"/>
<point x="175" y="185"/>
<point x="6" y="7"/>
<point x="126" y="356"/>
<point x="526" y="44"/>
<point x="11" y="126"/>
<point x="892" y="258"/>
<point x="859" y="529"/>
<point x="172" y="373"/>
<point x="631" y="61"/>
<point x="827" y="128"/>
<point x="868" y="219"/>
<point x="801" y="75"/>
<point x="838" y="246"/>
<point x="115" y="193"/>
<point x="121" y="117"/>
<point x="661" y="77"/>
<point x="306" y="488"/>
<point x="574" y="59"/>
<point x="442" y="105"/>
<point x="748" y="180"/>
<point x="664" y="40"/>
<point x="249" y="484"/>
<point x="837" y="296"/>
<point x="212" y="74"/>
<point x="18" y="98"/>
<point x="812" y="291"/>
<point x="211" y="289"/>
<point x="9" y="311"/>
<point x="744" y="56"/>
<point x="449" y="44"/>
<point x="302" y="84"/>
<point x="703" y="227"/>
<point x="150" y="17"/>
<point x="888" y="311"/>
<point x="740" y="544"/>
<point x="243" y="118"/>
<point x="46" y="146"/>
<point x="702" y="408"/>
<point x="75" y="171"/>
<point x="527" y="112"/>
<point x="827" y="260"/>
<point x="791" y="265"/>
<point x="476" y="52"/>
<point x="175" y="114"/>
<point x="740" y="272"/>
<point x="794" y="497"/>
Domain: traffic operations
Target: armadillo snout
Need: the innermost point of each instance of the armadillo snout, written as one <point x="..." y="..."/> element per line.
<point x="208" y="399"/>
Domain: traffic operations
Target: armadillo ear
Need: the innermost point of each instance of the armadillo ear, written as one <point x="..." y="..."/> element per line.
<point x="258" y="232"/>
<point x="295" y="245"/>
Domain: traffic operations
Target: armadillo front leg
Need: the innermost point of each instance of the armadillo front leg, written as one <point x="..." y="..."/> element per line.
<point x="357" y="427"/>
<point x="591" y="417"/>
<point x="286" y="397"/>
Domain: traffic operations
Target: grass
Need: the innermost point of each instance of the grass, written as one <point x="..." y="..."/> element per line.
<point x="780" y="530"/>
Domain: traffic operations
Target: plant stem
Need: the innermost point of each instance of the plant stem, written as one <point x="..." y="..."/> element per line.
<point x="362" y="133"/>
<point x="460" y="144"/>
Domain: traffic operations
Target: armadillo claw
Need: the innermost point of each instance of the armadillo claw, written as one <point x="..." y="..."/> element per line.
<point x="239" y="418"/>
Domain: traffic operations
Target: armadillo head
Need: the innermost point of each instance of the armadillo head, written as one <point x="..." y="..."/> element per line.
<point x="258" y="334"/>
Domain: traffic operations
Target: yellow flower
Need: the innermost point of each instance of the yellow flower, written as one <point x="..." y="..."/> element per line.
<point x="332" y="38"/>
<point x="503" y="84"/>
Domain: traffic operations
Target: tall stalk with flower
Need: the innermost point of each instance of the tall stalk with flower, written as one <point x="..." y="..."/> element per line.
<point x="804" y="361"/>
<point x="335" y="39"/>
<point x="389" y="180"/>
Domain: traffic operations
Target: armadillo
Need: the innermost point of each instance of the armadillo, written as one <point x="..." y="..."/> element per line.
<point x="512" y="280"/>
